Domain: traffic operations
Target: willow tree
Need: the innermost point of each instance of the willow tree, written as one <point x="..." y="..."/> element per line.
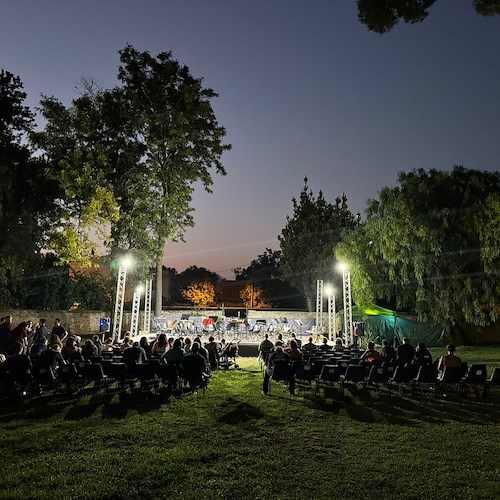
<point x="431" y="244"/>
<point x="147" y="142"/>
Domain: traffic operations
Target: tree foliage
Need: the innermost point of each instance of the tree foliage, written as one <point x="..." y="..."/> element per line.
<point x="254" y="297"/>
<point x="132" y="155"/>
<point x="200" y="293"/>
<point x="431" y="245"/>
<point x="382" y="15"/>
<point x="27" y="208"/>
<point x="309" y="238"/>
<point x="264" y="271"/>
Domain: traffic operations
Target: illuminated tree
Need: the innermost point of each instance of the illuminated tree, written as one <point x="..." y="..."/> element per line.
<point x="145" y="143"/>
<point x="254" y="297"/>
<point x="200" y="293"/>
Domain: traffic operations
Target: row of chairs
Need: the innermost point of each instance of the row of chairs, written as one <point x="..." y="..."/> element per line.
<point x="386" y="377"/>
<point x="74" y="377"/>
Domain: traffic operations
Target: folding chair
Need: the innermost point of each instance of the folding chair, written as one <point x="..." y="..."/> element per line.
<point x="281" y="372"/>
<point x="401" y="377"/>
<point x="426" y="377"/>
<point x="330" y="375"/>
<point x="93" y="373"/>
<point x="377" y="377"/>
<point x="44" y="377"/>
<point x="146" y="374"/>
<point x="305" y="375"/>
<point x="451" y="376"/>
<point x="354" y="374"/>
<point x="475" y="377"/>
<point x="494" y="380"/>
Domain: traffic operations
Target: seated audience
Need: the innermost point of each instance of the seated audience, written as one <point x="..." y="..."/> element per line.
<point x="161" y="344"/>
<point x="310" y="346"/>
<point x="388" y="353"/>
<point x="19" y="367"/>
<point x="127" y="342"/>
<point x="175" y="355"/>
<point x="279" y="341"/>
<point x="371" y="354"/>
<point x="422" y="355"/>
<point x="89" y="350"/>
<point x="71" y="352"/>
<point x="134" y="355"/>
<point x="194" y="367"/>
<point x="37" y="348"/>
<point x="51" y="358"/>
<point x="338" y="346"/>
<point x="98" y="343"/>
<point x="298" y="341"/>
<point x="449" y="360"/>
<point x="143" y="342"/>
<point x="109" y="345"/>
<point x="202" y="351"/>
<point x="187" y="345"/>
<point x="405" y="352"/>
<point x="324" y="344"/>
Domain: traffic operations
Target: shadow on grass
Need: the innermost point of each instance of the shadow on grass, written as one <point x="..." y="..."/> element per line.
<point x="364" y="405"/>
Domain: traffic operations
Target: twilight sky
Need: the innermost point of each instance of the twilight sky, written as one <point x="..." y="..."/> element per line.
<point x="304" y="89"/>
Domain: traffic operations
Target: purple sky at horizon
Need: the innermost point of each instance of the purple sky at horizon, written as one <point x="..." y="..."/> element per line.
<point x="304" y="90"/>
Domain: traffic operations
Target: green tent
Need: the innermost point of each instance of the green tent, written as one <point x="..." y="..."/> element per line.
<point x="383" y="324"/>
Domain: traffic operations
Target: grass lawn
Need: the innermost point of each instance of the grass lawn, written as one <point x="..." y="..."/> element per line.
<point x="236" y="443"/>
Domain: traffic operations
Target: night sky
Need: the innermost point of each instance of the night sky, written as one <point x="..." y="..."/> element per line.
<point x="304" y="89"/>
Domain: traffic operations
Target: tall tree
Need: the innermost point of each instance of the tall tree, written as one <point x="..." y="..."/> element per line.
<point x="308" y="240"/>
<point x="431" y="244"/>
<point x="182" y="139"/>
<point x="382" y="15"/>
<point x="27" y="207"/>
<point x="147" y="142"/>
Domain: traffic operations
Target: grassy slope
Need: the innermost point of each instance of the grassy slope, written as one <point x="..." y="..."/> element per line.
<point x="236" y="443"/>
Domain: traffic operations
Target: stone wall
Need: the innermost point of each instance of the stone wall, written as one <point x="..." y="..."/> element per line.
<point x="87" y="322"/>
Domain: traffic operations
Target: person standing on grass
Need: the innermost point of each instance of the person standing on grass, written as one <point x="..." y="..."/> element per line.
<point x="293" y="351"/>
<point x="41" y="331"/>
<point x="58" y="330"/>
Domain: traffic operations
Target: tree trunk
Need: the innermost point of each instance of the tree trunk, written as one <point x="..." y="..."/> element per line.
<point x="159" y="286"/>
